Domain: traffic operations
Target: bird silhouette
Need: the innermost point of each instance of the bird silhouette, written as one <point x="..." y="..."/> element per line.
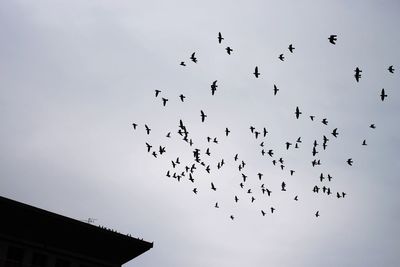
<point x="263" y="213"/>
<point x="216" y="205"/>
<point x="220" y="38"/>
<point x="317" y="214"/>
<point x="227" y="131"/>
<point x="364" y="143"/>
<point x="283" y="185"/>
<point x="164" y="100"/>
<point x="256" y="73"/>
<point x="182" y="97"/>
<point x="391" y="69"/>
<point x="182" y="63"/>
<point x="229" y="50"/>
<point x="372" y="126"/>
<point x="193" y="57"/>
<point x="357" y="74"/>
<point x="332" y="39"/>
<point x="383" y="95"/>
<point x="291" y="48"/>
<point x="272" y="209"/>
<point x="335" y="132"/>
<point x="350" y="161"/>
<point x="236" y="199"/>
<point x="157" y="92"/>
<point x="232" y="217"/>
<point x="312" y="117"/>
<point x="147" y="129"/>
<point x="275" y="89"/>
<point x="134" y="126"/>
<point x="297" y="112"/>
<point x="325" y="121"/>
<point x="288" y="144"/>
<point x="203" y="116"/>
<point x="148" y="147"/>
<point x="281" y="57"/>
<point x="296" y="198"/>
<point x="214" y="87"/>
<point x="213" y="187"/>
<point x="195" y="190"/>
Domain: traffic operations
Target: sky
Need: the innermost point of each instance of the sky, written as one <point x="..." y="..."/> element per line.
<point x="75" y="75"/>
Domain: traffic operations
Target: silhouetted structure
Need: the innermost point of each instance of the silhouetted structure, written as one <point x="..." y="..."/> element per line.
<point x="34" y="237"/>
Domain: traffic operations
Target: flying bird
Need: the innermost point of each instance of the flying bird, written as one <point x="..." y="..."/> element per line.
<point x="350" y="161"/>
<point x="256" y="73"/>
<point x="183" y="63"/>
<point x="214" y="87"/>
<point x="317" y="214"/>
<point x="297" y="112"/>
<point x="220" y="38"/>
<point x="312" y="117"/>
<point x="216" y="205"/>
<point x="147" y="129"/>
<point x="332" y="39"/>
<point x="391" y="69"/>
<point x="383" y="95"/>
<point x="195" y="190"/>
<point x="364" y="143"/>
<point x="157" y="92"/>
<point x="281" y="57"/>
<point x="203" y="116"/>
<point x="296" y="198"/>
<point x="227" y="131"/>
<point x="229" y="50"/>
<point x="357" y="74"/>
<point x="134" y="126"/>
<point x="148" y="147"/>
<point x="335" y="132"/>
<point x="193" y="57"/>
<point x="275" y="89"/>
<point x="325" y="121"/>
<point x="164" y="100"/>
<point x="213" y="187"/>
<point x="291" y="48"/>
<point x="182" y="97"/>
<point x="263" y="213"/>
<point x="372" y="126"/>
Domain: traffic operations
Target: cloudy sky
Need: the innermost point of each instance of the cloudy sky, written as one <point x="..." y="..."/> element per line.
<point x="74" y="76"/>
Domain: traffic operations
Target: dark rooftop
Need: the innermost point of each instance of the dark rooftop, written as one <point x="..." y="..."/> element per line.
<point x="53" y="231"/>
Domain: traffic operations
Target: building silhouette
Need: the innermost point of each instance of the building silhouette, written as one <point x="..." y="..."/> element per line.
<point x="30" y="236"/>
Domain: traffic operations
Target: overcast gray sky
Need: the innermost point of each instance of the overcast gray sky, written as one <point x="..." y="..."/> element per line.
<point x="74" y="75"/>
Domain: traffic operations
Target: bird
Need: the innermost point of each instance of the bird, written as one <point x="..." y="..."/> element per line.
<point x="154" y="154"/>
<point x="182" y="97"/>
<point x="288" y="144"/>
<point x="317" y="214"/>
<point x="383" y="95"/>
<point x="182" y="63"/>
<point x="281" y="57"/>
<point x="236" y="199"/>
<point x="291" y="48"/>
<point x="265" y="132"/>
<point x="391" y="69"/>
<point x="134" y="126"/>
<point x="147" y="129"/>
<point x="325" y="121"/>
<point x="195" y="190"/>
<point x="216" y="205"/>
<point x="229" y="50"/>
<point x="252" y="199"/>
<point x="157" y="92"/>
<point x="357" y="74"/>
<point x="312" y="117"/>
<point x="214" y="87"/>
<point x="164" y="101"/>
<point x="232" y="217"/>
<point x="291" y="172"/>
<point x="256" y="73"/>
<point x="372" y="126"/>
<point x="270" y="152"/>
<point x="263" y="213"/>
<point x="275" y="89"/>
<point x="272" y="209"/>
<point x="203" y="116"/>
<point x="335" y="132"/>
<point x="364" y="143"/>
<point x="350" y="161"/>
<point x="332" y="39"/>
<point x="162" y="150"/>
<point x="213" y="187"/>
<point x="148" y="147"/>
<point x="227" y="131"/>
<point x="297" y="113"/>
<point x="296" y="198"/>
<point x="298" y="140"/>
<point x="220" y="38"/>
<point x="259" y="175"/>
<point x="314" y="151"/>
<point x="236" y="157"/>
<point x="283" y="185"/>
<point x="193" y="58"/>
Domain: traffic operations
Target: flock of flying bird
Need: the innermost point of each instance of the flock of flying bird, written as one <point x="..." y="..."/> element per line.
<point x="188" y="171"/>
